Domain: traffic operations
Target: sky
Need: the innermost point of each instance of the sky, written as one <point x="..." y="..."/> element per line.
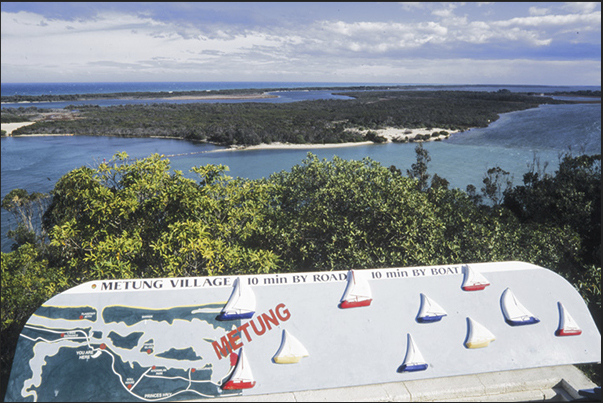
<point x="404" y="43"/>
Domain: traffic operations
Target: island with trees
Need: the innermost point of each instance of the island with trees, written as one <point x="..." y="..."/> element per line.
<point x="304" y="122"/>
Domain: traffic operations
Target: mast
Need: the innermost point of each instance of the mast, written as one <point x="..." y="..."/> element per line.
<point x="478" y="336"/>
<point x="357" y="292"/>
<point x="291" y="350"/>
<point x="474" y="281"/>
<point x="241" y="377"/>
<point x="413" y="361"/>
<point x="567" y="324"/>
<point x="515" y="313"/>
<point x="240" y="305"/>
<point x="430" y="310"/>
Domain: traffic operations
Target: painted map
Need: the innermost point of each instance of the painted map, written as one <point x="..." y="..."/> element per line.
<point x="124" y="354"/>
<point x="171" y="339"/>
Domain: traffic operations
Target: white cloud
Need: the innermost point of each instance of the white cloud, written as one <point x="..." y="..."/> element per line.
<point x="580" y="7"/>
<point x="445" y="12"/>
<point x="113" y="45"/>
<point x="553" y="20"/>
<point x="412" y="5"/>
<point x="538" y="11"/>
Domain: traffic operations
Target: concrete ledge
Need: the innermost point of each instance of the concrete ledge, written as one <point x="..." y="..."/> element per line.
<point x="560" y="383"/>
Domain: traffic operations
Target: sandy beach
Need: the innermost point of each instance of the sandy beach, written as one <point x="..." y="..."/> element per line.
<point x="391" y="134"/>
<point x="281" y="146"/>
<point x="405" y="135"/>
<point x="210" y="97"/>
<point x="10" y="127"/>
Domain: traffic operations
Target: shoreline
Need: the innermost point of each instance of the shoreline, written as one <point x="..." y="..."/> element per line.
<point x="391" y="135"/>
<point x="292" y="146"/>
<point x="163" y="98"/>
<point x="213" y="97"/>
<point x="11" y="127"/>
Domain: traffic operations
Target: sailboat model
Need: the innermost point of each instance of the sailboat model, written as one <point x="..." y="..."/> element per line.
<point x="478" y="336"/>
<point x="240" y="305"/>
<point x="567" y="324"/>
<point x="357" y="293"/>
<point x="414" y="360"/>
<point x="515" y="313"/>
<point x="241" y="377"/>
<point x="291" y="350"/>
<point x="430" y="310"/>
<point x="474" y="281"/>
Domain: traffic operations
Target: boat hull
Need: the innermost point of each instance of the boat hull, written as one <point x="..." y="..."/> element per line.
<point x="478" y="344"/>
<point x="430" y="319"/>
<point x="564" y="332"/>
<point x="528" y="321"/>
<point x="234" y="316"/>
<point x="412" y="368"/>
<point x="287" y="359"/>
<point x="475" y="287"/>
<point x="355" y="304"/>
<point x="238" y="384"/>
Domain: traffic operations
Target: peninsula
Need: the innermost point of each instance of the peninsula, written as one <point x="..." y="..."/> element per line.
<point x="369" y="115"/>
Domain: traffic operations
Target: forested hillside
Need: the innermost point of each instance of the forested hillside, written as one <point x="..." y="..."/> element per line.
<point x="138" y="219"/>
<point x="318" y="121"/>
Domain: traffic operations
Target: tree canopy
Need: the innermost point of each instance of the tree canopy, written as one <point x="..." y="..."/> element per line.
<point x="317" y="121"/>
<point x="138" y="219"/>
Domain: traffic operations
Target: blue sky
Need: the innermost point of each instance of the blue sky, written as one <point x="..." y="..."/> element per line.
<point x="439" y="43"/>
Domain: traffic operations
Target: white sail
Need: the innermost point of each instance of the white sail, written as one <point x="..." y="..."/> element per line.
<point x="242" y="370"/>
<point x="430" y="310"/>
<point x="515" y="313"/>
<point x="567" y="324"/>
<point x="474" y="280"/>
<point x="291" y="350"/>
<point x="241" y="378"/>
<point x="413" y="355"/>
<point x="357" y="292"/>
<point x="241" y="303"/>
<point x="413" y="361"/>
<point x="478" y="336"/>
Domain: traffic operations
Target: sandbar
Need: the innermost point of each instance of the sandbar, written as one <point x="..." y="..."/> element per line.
<point x="404" y="134"/>
<point x="10" y="127"/>
<point x="283" y="146"/>
<point x="210" y="97"/>
<point x="391" y="134"/>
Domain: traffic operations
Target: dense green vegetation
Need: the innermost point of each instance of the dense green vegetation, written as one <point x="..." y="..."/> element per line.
<point x="18" y="116"/>
<point x="318" y="121"/>
<point x="132" y="219"/>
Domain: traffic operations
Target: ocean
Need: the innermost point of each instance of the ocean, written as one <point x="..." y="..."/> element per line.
<point x="512" y="142"/>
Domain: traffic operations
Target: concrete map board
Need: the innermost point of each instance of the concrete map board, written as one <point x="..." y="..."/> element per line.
<point x="162" y="339"/>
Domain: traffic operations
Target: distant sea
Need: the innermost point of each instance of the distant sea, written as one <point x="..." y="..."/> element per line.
<point x="511" y="142"/>
<point x="108" y="88"/>
<point x="299" y="91"/>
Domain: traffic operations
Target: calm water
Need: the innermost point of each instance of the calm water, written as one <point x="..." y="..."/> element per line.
<point x="109" y="88"/>
<point x="36" y="163"/>
<point x="283" y="96"/>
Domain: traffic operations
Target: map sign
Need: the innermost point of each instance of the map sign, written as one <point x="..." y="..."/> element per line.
<point x="175" y="339"/>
